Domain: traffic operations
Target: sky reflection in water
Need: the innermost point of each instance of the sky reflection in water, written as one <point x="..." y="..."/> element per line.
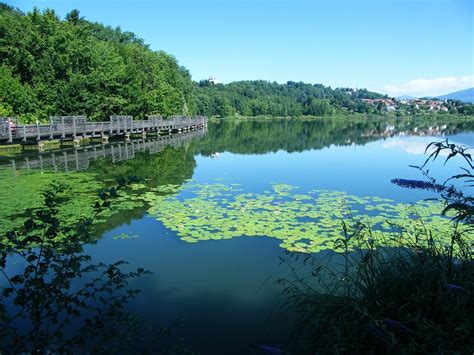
<point x="224" y="289"/>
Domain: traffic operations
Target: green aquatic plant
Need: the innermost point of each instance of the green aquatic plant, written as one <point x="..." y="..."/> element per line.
<point x="54" y="298"/>
<point x="124" y="236"/>
<point x="22" y="193"/>
<point x="413" y="297"/>
<point x="303" y="222"/>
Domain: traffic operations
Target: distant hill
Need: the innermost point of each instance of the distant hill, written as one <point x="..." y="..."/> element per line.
<point x="463" y="95"/>
<point x="265" y="98"/>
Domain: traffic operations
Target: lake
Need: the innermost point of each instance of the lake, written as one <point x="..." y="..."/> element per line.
<point x="216" y="210"/>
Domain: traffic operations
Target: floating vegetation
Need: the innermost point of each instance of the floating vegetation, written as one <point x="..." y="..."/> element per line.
<point x="124" y="236"/>
<point x="305" y="222"/>
<point x="23" y="194"/>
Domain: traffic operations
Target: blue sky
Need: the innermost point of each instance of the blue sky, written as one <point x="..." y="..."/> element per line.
<point x="416" y="47"/>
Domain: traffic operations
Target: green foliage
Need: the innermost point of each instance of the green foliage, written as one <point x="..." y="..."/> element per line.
<point x="170" y="166"/>
<point x="302" y="221"/>
<point x="25" y="195"/>
<point x="50" y="66"/>
<point x="456" y="200"/>
<point x="295" y="99"/>
<point x="257" y="98"/>
<point x="45" y="296"/>
<point x="415" y="296"/>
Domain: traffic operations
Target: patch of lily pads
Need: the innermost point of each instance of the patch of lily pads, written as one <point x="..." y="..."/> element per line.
<point x="302" y="221"/>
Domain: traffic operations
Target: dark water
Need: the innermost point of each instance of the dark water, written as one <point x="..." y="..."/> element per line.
<point x="224" y="291"/>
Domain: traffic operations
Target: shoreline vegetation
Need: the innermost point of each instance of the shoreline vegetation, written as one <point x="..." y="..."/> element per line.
<point x="51" y="66"/>
<point x="415" y="296"/>
<point x="439" y="117"/>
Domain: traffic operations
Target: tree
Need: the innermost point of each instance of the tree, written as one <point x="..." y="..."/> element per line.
<point x="73" y="17"/>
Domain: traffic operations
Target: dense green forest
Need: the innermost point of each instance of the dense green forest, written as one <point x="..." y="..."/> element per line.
<point x="71" y="66"/>
<point x="263" y="98"/>
<point x="51" y="66"/>
<point x="296" y="99"/>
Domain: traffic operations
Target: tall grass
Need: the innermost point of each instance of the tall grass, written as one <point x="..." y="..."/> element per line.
<point x="415" y="296"/>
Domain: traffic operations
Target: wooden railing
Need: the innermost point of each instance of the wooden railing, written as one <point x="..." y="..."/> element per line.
<point x="63" y="127"/>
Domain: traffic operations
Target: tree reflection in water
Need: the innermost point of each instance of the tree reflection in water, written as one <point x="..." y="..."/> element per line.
<point x="55" y="298"/>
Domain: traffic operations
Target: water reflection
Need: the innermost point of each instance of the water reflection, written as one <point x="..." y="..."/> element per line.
<point x="261" y="137"/>
<point x="81" y="158"/>
<point x="55" y="298"/>
<point x="223" y="289"/>
<point x="242" y="137"/>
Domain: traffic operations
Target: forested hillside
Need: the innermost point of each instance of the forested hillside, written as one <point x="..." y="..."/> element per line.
<point x="50" y="66"/>
<point x="71" y="66"/>
<point x="254" y="98"/>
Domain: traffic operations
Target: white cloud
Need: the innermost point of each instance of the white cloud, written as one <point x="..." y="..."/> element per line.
<point x="431" y="87"/>
<point x="412" y="147"/>
<point x="415" y="145"/>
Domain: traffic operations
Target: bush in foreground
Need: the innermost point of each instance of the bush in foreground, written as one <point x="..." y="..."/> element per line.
<point x="414" y="297"/>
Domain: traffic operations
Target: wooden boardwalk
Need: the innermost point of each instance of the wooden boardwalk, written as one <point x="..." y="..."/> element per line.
<point x="77" y="128"/>
<point x="80" y="158"/>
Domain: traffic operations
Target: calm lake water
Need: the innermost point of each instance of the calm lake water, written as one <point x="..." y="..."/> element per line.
<point x="203" y="196"/>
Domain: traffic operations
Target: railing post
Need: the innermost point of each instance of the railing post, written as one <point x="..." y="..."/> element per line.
<point x="74" y="128"/>
<point x="50" y="128"/>
<point x="24" y="133"/>
<point x="63" y="129"/>
<point x="10" y="135"/>
<point x="38" y="128"/>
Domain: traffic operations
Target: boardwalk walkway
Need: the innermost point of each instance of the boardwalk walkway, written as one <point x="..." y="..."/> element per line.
<point x="77" y="127"/>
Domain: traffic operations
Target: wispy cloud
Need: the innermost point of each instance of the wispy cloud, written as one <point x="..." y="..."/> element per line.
<point x="431" y="87"/>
